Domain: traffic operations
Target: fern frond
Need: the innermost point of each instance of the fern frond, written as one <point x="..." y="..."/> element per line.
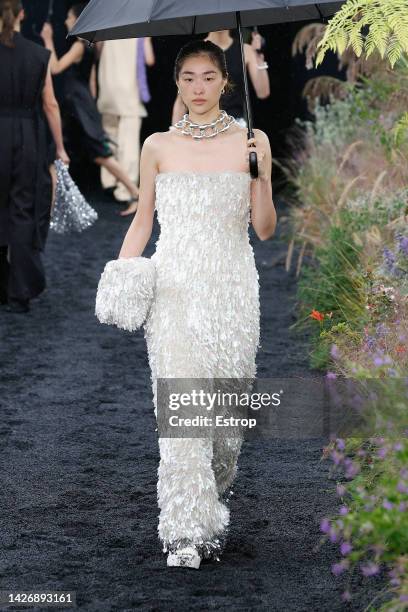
<point x="366" y="26"/>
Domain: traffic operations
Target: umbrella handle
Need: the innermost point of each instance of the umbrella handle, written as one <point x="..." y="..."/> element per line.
<point x="253" y="159"/>
<point x="253" y="164"/>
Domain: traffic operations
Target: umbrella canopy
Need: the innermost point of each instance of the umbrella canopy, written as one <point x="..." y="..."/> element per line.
<point x="113" y="19"/>
<point x="107" y="20"/>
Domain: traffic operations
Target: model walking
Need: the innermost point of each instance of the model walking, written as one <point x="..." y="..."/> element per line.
<point x="122" y="91"/>
<point x="26" y="95"/>
<point x="79" y="106"/>
<point x="204" y="322"/>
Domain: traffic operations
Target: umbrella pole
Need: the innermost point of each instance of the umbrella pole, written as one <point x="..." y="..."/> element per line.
<point x="253" y="159"/>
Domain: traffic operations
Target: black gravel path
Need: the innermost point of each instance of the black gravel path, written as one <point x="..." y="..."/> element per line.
<point x="80" y="456"/>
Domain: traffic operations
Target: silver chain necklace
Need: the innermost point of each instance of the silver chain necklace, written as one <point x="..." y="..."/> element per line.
<point x="205" y="130"/>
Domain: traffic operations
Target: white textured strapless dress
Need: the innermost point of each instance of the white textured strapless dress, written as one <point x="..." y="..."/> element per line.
<point x="204" y="323"/>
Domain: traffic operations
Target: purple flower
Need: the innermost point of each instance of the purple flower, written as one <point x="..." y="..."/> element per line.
<point x="403" y="244"/>
<point x="387" y="504"/>
<point x="403" y="598"/>
<point x="345" y="548"/>
<point x="334" y="351"/>
<point x="333" y="535"/>
<point x="402" y="487"/>
<point x="370" y="569"/>
<point x="371" y="342"/>
<point x="325" y="525"/>
<point x="331" y="375"/>
<point x="378" y="361"/>
<point x="337" y="457"/>
<point x="338" y="568"/>
<point x="382" y="452"/>
<point x="343" y="510"/>
<point x="340" y="444"/>
<point x="346" y="596"/>
<point x="352" y="470"/>
<point x="398" y="446"/>
<point x="390" y="261"/>
<point x="402" y="506"/>
<point x="381" y="329"/>
<point x="389" y="258"/>
<point x="341" y="490"/>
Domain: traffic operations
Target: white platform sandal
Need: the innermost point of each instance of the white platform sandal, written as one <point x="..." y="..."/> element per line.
<point x="184" y="557"/>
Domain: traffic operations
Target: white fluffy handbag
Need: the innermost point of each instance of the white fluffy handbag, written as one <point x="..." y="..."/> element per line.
<point x="125" y="292"/>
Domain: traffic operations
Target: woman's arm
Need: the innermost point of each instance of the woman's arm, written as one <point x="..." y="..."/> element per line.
<point x="98" y="49"/>
<point x="149" y="52"/>
<point x="259" y="77"/>
<point x="140" y="230"/>
<point x="93" y="85"/>
<point x="263" y="213"/>
<point x="52" y="112"/>
<point x="73" y="56"/>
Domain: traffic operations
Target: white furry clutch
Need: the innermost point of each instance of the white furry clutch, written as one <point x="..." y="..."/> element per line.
<point x="125" y="292"/>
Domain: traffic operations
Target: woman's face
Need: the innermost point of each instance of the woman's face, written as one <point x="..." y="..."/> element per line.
<point x="70" y="20"/>
<point x="200" y="83"/>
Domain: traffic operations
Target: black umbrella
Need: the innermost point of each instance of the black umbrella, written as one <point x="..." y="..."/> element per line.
<point x="113" y="19"/>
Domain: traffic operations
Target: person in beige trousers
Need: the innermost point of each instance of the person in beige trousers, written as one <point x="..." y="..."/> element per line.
<point x="121" y="108"/>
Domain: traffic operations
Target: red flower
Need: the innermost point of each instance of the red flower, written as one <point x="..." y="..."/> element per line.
<point x="315" y="314"/>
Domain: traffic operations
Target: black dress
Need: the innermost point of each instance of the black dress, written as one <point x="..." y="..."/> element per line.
<point x="25" y="182"/>
<point x="82" y="121"/>
<point x="233" y="102"/>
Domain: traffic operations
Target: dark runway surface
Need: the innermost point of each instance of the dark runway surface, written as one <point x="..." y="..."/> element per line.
<point x="80" y="456"/>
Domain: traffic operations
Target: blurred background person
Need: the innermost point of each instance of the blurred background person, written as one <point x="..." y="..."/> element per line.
<point x="82" y="120"/>
<point x="233" y="102"/>
<point x="122" y="91"/>
<point x="26" y="94"/>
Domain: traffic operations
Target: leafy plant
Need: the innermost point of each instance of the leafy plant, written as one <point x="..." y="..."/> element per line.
<point x="387" y="24"/>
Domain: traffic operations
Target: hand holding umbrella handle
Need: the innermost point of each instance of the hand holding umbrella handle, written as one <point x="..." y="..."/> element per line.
<point x="253" y="159"/>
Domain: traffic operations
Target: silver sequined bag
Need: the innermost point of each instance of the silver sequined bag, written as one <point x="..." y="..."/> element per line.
<point x="125" y="292"/>
<point x="71" y="212"/>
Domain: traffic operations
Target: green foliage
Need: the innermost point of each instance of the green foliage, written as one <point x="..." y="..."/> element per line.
<point x="336" y="285"/>
<point x="387" y="23"/>
<point x="374" y="517"/>
<point x="400" y="130"/>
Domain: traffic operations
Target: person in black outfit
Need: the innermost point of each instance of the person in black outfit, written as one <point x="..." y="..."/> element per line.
<point x="233" y="101"/>
<point x="81" y="115"/>
<point x="26" y="94"/>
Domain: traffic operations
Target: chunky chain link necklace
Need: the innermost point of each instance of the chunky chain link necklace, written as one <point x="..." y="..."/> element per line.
<point x="205" y="130"/>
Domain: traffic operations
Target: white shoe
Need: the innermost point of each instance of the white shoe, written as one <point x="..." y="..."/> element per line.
<point x="184" y="557"/>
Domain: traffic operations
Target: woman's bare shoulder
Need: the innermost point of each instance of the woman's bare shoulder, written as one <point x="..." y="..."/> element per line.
<point x="157" y="139"/>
